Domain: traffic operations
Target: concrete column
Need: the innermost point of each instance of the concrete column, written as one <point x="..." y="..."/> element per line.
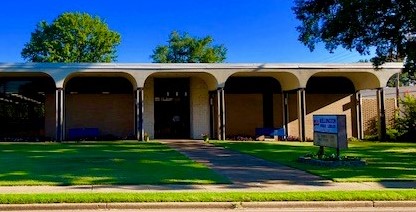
<point x="221" y="113"/>
<point x="381" y="114"/>
<point x="139" y="114"/>
<point x="301" y="113"/>
<point x="60" y="113"/>
<point x="211" y="114"/>
<point x="360" y="133"/>
<point x="285" y="101"/>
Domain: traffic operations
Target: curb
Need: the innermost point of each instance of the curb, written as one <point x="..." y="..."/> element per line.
<point x="207" y="205"/>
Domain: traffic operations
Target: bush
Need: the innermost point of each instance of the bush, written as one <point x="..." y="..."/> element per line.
<point x="405" y="121"/>
<point x="392" y="134"/>
<point x="353" y="139"/>
<point x="371" y="138"/>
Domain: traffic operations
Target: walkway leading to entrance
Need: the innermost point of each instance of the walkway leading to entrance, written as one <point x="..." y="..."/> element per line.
<point x="244" y="170"/>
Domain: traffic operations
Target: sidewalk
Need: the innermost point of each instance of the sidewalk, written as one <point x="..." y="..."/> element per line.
<point x="255" y="187"/>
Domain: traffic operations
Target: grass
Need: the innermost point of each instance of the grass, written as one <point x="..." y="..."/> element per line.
<point x="387" y="195"/>
<point x="386" y="161"/>
<point x="111" y="163"/>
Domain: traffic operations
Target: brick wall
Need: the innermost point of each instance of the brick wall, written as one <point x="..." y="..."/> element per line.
<point x="111" y="114"/>
<point x="50" y="116"/>
<point x="149" y="108"/>
<point x="244" y="113"/>
<point x="199" y="100"/>
<point x="331" y="104"/>
<point x="369" y="114"/>
<point x="321" y="104"/>
<point x="277" y="110"/>
<point x="293" y="125"/>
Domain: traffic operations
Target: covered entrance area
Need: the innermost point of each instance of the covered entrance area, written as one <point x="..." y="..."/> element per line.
<point x="172" y="107"/>
<point x="26" y="107"/>
<point x="252" y="102"/>
<point x="99" y="106"/>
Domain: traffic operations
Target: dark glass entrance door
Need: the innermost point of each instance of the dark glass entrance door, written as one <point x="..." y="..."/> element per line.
<point x="172" y="108"/>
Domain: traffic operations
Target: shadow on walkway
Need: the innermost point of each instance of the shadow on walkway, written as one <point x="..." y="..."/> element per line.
<point x="242" y="169"/>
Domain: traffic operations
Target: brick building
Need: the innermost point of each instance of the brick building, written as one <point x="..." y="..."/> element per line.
<point x="185" y="100"/>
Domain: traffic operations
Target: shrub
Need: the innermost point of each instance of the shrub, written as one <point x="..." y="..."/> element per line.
<point x="292" y="138"/>
<point x="392" y="134"/>
<point x="353" y="139"/>
<point x="240" y="138"/>
<point x="405" y="122"/>
<point x="371" y="138"/>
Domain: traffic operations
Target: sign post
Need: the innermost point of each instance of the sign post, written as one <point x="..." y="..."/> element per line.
<point x="330" y="131"/>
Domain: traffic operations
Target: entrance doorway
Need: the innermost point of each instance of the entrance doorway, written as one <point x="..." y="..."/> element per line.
<point x="172" y="108"/>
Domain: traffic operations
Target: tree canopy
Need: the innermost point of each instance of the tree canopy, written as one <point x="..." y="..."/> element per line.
<point x="183" y="48"/>
<point x="72" y="38"/>
<point x="388" y="26"/>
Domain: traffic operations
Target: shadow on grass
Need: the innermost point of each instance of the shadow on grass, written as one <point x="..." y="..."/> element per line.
<point x="386" y="161"/>
<point x="98" y="164"/>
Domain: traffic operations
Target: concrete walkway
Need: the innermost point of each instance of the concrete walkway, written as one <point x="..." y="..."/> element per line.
<point x="252" y="173"/>
<point x="242" y="169"/>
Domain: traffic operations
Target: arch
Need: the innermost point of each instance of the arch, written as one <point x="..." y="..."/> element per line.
<point x="330" y="85"/>
<point x="100" y="105"/>
<point x="193" y="95"/>
<point x="287" y="80"/>
<point x="252" y="100"/>
<point x="27" y="106"/>
<point x="329" y="93"/>
<point x="125" y="75"/>
<point x="209" y="79"/>
<point x="361" y="80"/>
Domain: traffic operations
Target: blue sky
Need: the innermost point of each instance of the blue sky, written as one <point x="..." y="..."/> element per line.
<point x="254" y="31"/>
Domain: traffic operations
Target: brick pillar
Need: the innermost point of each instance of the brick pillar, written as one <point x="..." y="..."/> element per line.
<point x="59" y="114"/>
<point x="139" y="114"/>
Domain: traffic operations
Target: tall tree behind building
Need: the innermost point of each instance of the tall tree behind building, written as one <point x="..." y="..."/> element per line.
<point x="72" y="38"/>
<point x="183" y="48"/>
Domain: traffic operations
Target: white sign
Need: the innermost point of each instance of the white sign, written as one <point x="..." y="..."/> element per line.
<point x="330" y="131"/>
<point x="325" y="124"/>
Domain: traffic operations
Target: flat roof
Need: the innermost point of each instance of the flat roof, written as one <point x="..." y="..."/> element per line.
<point x="162" y="66"/>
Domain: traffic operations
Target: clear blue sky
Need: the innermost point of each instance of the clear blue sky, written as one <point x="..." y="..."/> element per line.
<point x="254" y="31"/>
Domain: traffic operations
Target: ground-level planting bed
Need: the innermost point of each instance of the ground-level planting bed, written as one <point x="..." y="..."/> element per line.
<point x="116" y="163"/>
<point x="385" y="161"/>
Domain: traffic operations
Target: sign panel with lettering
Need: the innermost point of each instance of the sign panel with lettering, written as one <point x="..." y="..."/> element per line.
<point x="325" y="124"/>
<point x="330" y="131"/>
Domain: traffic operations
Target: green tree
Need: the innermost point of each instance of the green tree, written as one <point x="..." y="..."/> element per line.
<point x="72" y="38"/>
<point x="182" y="48"/>
<point x="389" y="26"/>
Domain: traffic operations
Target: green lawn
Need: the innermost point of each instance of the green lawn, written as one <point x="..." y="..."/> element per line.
<point x="386" y="161"/>
<point x="119" y="163"/>
<point x="387" y="195"/>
